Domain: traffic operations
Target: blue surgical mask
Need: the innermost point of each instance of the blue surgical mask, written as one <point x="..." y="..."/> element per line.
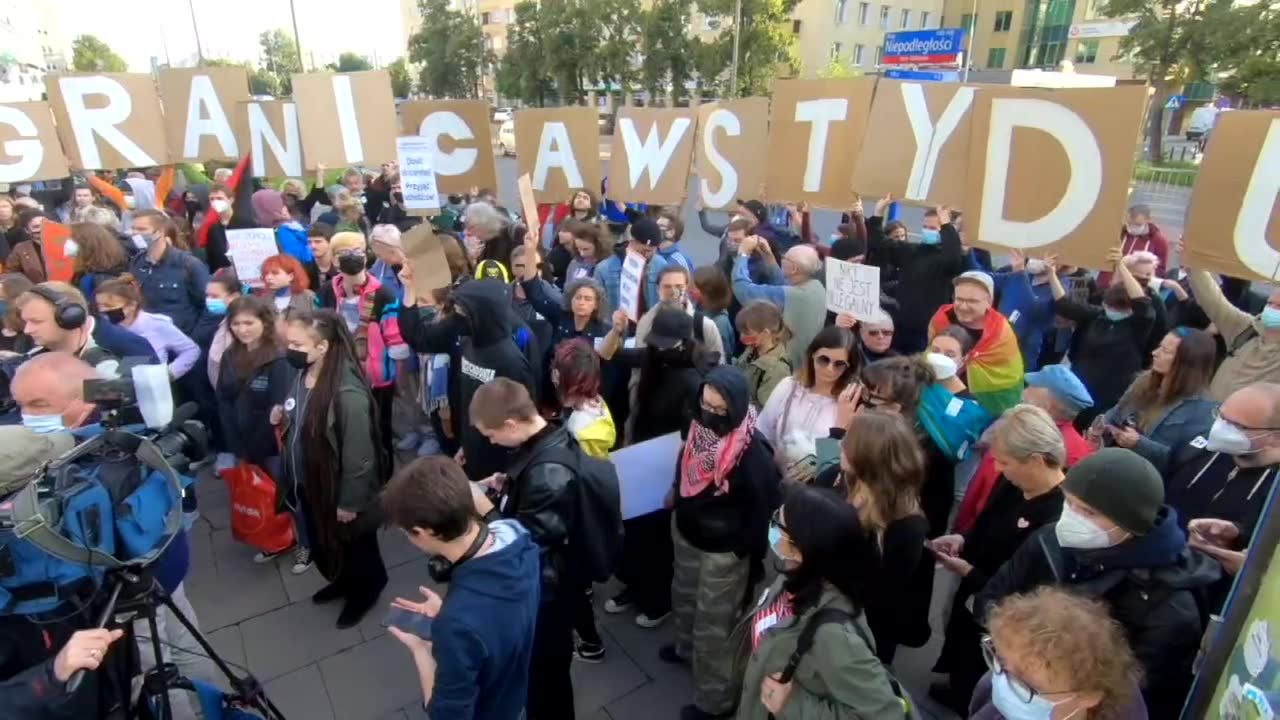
<point x="775" y="537"/>
<point x="834" y="238"/>
<point x="43" y="424"/>
<point x="1117" y="315"/>
<point x="1270" y="318"/>
<point x="215" y="306"/>
<point x="929" y="236"/>
<point x="1012" y="707"/>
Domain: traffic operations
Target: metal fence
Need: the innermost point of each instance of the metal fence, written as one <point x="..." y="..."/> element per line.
<point x="1167" y="191"/>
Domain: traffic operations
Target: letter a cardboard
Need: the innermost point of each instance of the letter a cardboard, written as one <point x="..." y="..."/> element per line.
<point x="560" y="150"/>
<point x="1233" y="225"/>
<point x="461" y="134"/>
<point x="108" y="121"/>
<point x="1049" y="169"/>
<point x="732" y="151"/>
<point x="346" y="118"/>
<point x="652" y="153"/>
<point x="29" y="148"/>
<point x="814" y="138"/>
<point x="200" y="111"/>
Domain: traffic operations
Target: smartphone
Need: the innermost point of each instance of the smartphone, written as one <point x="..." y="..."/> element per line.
<point x="408" y="621"/>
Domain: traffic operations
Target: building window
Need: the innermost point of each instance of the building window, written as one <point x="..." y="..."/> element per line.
<point x="1087" y="52"/>
<point x="884" y="17"/>
<point x="1004" y="21"/>
<point x="795" y="27"/>
<point x="484" y="18"/>
<point x="924" y="19"/>
<point x="966" y="22"/>
<point x="836" y="47"/>
<point x="995" y="59"/>
<point x="864" y="11"/>
<point x="879" y="53"/>
<point x="905" y="20"/>
<point x="842" y="11"/>
<point x="859" y="54"/>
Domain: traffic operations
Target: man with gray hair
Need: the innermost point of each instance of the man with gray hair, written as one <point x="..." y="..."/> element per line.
<point x="802" y="297"/>
<point x="1139" y="233"/>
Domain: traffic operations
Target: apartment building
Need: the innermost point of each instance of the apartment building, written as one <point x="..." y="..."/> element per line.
<point x="851" y="32"/>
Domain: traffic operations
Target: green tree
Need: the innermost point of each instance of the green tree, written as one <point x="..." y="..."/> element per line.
<point x="766" y="43"/>
<point x="667" y="49"/>
<point x="280" y="59"/>
<point x="618" y="24"/>
<point x="1249" y="54"/>
<point x="263" y="82"/>
<point x="710" y="61"/>
<point x="522" y="72"/>
<point x="89" y="54"/>
<point x="570" y="36"/>
<point x="401" y="80"/>
<point x="351" y="62"/>
<point x="837" y="69"/>
<point x="449" y="46"/>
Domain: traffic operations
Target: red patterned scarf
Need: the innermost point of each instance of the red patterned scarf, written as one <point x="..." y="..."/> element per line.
<point x="708" y="458"/>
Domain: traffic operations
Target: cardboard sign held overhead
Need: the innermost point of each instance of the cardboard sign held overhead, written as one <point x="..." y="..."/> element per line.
<point x="732" y="147"/>
<point x="268" y="131"/>
<point x="29" y="148"/>
<point x="560" y="150"/>
<point x="815" y="133"/>
<point x="528" y="205"/>
<point x="1049" y="170"/>
<point x="425" y="255"/>
<point x="653" y="150"/>
<point x="200" y="109"/>
<point x="346" y="118"/>
<point x="1233" y="225"/>
<point x="460" y="132"/>
<point x="417" y="175"/>
<point x="920" y="142"/>
<point x="108" y="121"/>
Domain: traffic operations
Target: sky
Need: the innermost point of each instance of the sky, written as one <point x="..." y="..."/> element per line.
<point x="229" y="28"/>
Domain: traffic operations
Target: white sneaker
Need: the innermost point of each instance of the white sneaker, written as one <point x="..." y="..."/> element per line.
<point x="645" y="621"/>
<point x="301" y="561"/>
<point x="263" y="557"/>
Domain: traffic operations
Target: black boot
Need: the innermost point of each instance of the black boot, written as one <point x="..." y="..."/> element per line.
<point x="327" y="594"/>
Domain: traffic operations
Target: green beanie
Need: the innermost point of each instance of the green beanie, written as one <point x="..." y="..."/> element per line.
<point x="1121" y="485"/>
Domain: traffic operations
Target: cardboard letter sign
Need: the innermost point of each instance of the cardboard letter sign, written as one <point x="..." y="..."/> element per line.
<point x="814" y="138"/>
<point x="108" y="121"/>
<point x="247" y="249"/>
<point x="652" y="151"/>
<point x="346" y="118"/>
<point x="268" y="131"/>
<point x="461" y="141"/>
<point x="1233" y="225"/>
<point x="1049" y="169"/>
<point x="199" y="111"/>
<point x="629" y="285"/>
<point x="560" y="150"/>
<point x="425" y="255"/>
<point x="733" y="146"/>
<point x="29" y="148"/>
<point x="920" y="143"/>
<point x="853" y="288"/>
<point x="417" y="173"/>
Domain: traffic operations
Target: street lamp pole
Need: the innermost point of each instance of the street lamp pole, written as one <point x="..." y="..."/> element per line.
<point x="968" y="51"/>
<point x="297" y="40"/>
<point x="196" y="28"/>
<point x="737" y="28"/>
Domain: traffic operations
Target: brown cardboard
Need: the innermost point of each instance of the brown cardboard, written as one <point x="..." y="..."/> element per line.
<point x="1038" y="172"/>
<point x="230" y="86"/>
<point x="322" y="133"/>
<point x="475" y="114"/>
<point x="52" y="163"/>
<point x="747" y="153"/>
<point x="266" y="163"/>
<point x="1222" y="235"/>
<point x="142" y="128"/>
<point x="528" y="203"/>
<point x="789" y="142"/>
<point x="885" y="165"/>
<point x="583" y="134"/>
<point x="670" y="186"/>
<point x="425" y="255"/>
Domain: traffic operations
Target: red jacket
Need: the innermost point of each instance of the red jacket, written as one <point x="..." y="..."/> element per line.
<point x="1153" y="242"/>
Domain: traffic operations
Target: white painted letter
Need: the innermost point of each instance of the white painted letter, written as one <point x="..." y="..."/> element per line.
<point x="461" y="160"/>
<point x="654" y="153"/>
<point x="821" y="113"/>
<point x="1084" y="159"/>
<point x="287" y="153"/>
<point x="348" y="125"/>
<point x="1250" y="236"/>
<point x="102" y="121"/>
<point x="205" y="116"/>
<point x="555" y="150"/>
<point x="719" y="118"/>
<point x="930" y="138"/>
<point x="29" y="152"/>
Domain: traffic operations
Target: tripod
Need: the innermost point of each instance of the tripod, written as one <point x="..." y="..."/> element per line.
<point x="143" y="598"/>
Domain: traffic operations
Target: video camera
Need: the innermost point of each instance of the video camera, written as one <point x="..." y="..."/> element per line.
<point x="111" y="502"/>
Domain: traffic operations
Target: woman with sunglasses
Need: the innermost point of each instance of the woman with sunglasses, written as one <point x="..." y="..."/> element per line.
<point x="726" y="488"/>
<point x="826" y="560"/>
<point x="875" y="336"/>
<point x="802" y="408"/>
<point x="1053" y="655"/>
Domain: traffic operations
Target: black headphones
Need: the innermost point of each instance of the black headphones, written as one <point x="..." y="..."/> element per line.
<point x="441" y="569"/>
<point x="66" y="314"/>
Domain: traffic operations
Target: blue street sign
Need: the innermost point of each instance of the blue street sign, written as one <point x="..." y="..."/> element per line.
<point x="925" y="75"/>
<point x="1174" y="102"/>
<point x="923" y="47"/>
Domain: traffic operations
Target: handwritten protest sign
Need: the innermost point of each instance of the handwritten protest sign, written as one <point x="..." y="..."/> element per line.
<point x="247" y="249"/>
<point x="629" y="286"/>
<point x="853" y="288"/>
<point x="425" y="255"/>
<point x="417" y="173"/>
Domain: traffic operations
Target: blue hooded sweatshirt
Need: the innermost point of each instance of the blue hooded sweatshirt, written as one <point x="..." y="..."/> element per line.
<point x="482" y="638"/>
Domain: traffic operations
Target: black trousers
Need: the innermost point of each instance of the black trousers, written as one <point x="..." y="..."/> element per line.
<point x="584" y="617"/>
<point x="647" y="564"/>
<point x="363" y="574"/>
<point x="550" y="687"/>
<point x="382" y="398"/>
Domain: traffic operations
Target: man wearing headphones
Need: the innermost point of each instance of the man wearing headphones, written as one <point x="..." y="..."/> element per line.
<point x="56" y="317"/>
<point x="472" y="648"/>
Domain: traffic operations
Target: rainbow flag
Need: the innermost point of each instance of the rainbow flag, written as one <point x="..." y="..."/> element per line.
<point x="994" y="370"/>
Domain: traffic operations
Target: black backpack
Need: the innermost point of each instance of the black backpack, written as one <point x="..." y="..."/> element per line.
<point x="595" y="532"/>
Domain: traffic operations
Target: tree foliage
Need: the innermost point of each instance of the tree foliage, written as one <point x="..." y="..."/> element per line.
<point x="89" y="54"/>
<point x="280" y="61"/>
<point x="449" y="47"/>
<point x="667" y="47"/>
<point x="1249" y="54"/>
<point x="351" y="62"/>
<point x="766" y="43"/>
<point x="522" y="73"/>
<point x="401" y="80"/>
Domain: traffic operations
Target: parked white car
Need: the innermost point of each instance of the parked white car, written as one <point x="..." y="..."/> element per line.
<point x="503" y="114"/>
<point x="1202" y="119"/>
<point x="507" y="138"/>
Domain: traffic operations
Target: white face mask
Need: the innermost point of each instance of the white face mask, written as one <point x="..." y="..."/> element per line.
<point x="220" y="206"/>
<point x="129" y="202"/>
<point x="1227" y="437"/>
<point x="71" y="249"/>
<point x="1036" y="266"/>
<point x="1074" y="530"/>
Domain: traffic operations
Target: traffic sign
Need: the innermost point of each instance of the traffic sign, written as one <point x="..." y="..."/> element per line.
<point x="943" y="46"/>
<point x="925" y="75"/>
<point x="1174" y="102"/>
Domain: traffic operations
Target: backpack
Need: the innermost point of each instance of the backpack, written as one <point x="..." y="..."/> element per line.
<point x="595" y="533"/>
<point x="805" y="643"/>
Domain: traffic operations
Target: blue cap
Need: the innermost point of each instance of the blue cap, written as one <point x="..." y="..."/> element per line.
<point x="1059" y="380"/>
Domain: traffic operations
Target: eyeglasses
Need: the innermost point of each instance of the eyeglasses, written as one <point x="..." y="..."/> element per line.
<point x="1217" y="415"/>
<point x="1021" y="690"/>
<point x="969" y="301"/>
<point x="823" y="361"/>
<point x="880" y="333"/>
<point x="721" y="411"/>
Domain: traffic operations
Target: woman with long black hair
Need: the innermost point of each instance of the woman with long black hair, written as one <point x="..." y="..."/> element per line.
<point x="334" y="458"/>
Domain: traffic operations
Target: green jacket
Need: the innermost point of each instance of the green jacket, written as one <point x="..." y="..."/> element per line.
<point x="361" y="473"/>
<point x="840" y="678"/>
<point x="764" y="372"/>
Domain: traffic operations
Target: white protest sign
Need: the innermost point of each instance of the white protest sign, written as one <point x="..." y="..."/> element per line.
<point x="248" y="248"/>
<point x="631" y="285"/>
<point x="417" y="173"/>
<point x="645" y="472"/>
<point x="853" y="288"/>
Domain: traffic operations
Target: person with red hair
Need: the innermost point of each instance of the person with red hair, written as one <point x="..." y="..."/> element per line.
<point x="287" y="284"/>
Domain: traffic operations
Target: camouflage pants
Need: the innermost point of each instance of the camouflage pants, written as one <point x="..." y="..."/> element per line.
<point x="706" y="596"/>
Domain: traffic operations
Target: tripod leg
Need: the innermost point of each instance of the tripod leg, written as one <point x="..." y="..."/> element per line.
<point x="166" y="709"/>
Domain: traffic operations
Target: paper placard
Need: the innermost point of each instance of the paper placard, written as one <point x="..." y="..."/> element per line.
<point x="461" y="138"/>
<point x="53" y="241"/>
<point x="417" y="173"/>
<point x="631" y="284"/>
<point x="646" y="472"/>
<point x="29" y="148"/>
<point x="200" y="107"/>
<point x="247" y="248"/>
<point x="425" y="255"/>
<point x="853" y="288"/>
<point x="528" y="206"/>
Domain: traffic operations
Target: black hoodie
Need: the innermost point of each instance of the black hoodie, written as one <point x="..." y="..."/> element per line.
<point x="481" y="347"/>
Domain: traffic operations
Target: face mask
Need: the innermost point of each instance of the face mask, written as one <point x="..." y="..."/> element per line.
<point x="1012" y="707"/>
<point x="775" y="537"/>
<point x="1117" y="315"/>
<point x="116" y="316"/>
<point x="215" y="306"/>
<point x="193" y="207"/>
<point x="1137" y="229"/>
<point x="1076" y="531"/>
<point x="1036" y="266"/>
<point x="1226" y="437"/>
<point x="71" y="249"/>
<point x="43" y="424"/>
<point x="297" y="359"/>
<point x="350" y="264"/>
<point x="139" y="241"/>
<point x="220" y="206"/>
<point x="721" y="425"/>
<point x="130" y="202"/>
<point x="930" y="237"/>
<point x="1156" y="284"/>
<point x="835" y="237"/>
<point x="1270" y="318"/>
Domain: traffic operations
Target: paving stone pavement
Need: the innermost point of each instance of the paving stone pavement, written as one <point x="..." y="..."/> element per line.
<point x="261" y="617"/>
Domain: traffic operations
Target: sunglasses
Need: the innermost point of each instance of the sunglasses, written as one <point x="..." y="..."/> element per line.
<point x="824" y="361"/>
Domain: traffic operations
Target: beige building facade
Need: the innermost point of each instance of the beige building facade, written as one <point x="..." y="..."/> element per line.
<point x="851" y="32"/>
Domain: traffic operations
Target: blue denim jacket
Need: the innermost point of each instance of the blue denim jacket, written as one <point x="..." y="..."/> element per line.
<point x="173" y="287"/>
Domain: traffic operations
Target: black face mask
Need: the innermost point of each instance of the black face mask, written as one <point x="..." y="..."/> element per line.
<point x="350" y="264"/>
<point x="721" y="425"/>
<point x="397" y="268"/>
<point x="115" y="316"/>
<point x="193" y="207"/>
<point x="398" y="197"/>
<point x="297" y="359"/>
